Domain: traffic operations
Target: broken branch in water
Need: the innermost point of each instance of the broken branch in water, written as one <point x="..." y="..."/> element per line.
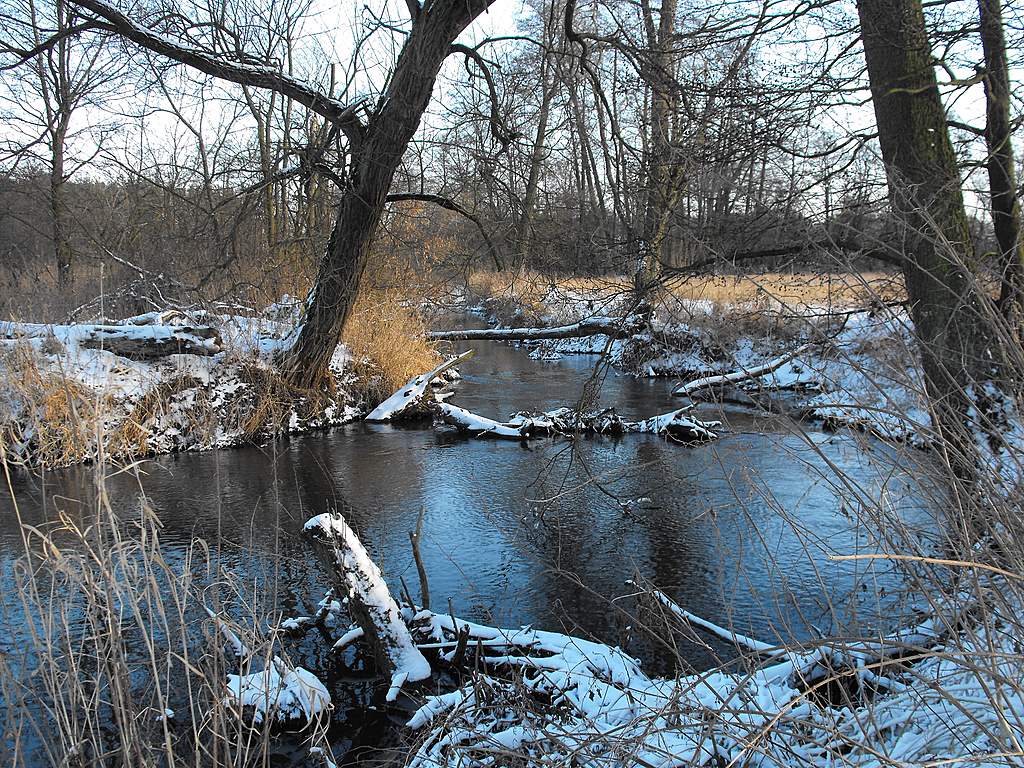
<point x="415" y="398"/>
<point x="615" y="327"/>
<point x="414" y="395"/>
<point x="370" y="602"/>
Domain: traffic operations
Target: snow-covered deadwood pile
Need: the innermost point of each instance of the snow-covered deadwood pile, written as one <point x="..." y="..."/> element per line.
<point x="944" y="692"/>
<point x="419" y="398"/>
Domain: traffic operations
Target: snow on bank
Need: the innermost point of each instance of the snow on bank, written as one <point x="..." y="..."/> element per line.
<point x="861" y="369"/>
<point x="947" y="691"/>
<point x="62" y="392"/>
<point x="958" y="703"/>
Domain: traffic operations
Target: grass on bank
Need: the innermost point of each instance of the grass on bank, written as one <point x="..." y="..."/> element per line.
<point x="55" y="411"/>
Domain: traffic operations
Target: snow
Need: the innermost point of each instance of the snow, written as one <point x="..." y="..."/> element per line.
<point x="479" y="425"/>
<point x="280" y="692"/>
<point x="366" y="583"/>
<point x="604" y="711"/>
<point x="200" y="402"/>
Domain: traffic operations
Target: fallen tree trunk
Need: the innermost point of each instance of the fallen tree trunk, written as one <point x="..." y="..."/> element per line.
<point x="413" y="396"/>
<point x="137" y="342"/>
<point x="370" y="602"/>
<point x="692" y="388"/>
<point x="466" y="421"/>
<point x="614" y="327"/>
<point x="150" y="341"/>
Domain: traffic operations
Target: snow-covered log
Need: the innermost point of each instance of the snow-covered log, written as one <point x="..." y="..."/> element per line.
<point x="466" y="421"/>
<point x="692" y="388"/>
<point x="610" y="714"/>
<point x="137" y="342"/>
<point x="369" y="599"/>
<point x="414" y="395"/>
<point x="615" y="327"/>
<point x="149" y="341"/>
<point x="568" y="421"/>
<point x="283" y="693"/>
<point x="678" y="426"/>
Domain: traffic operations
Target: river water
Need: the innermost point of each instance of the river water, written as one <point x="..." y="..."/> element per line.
<point x="546" y="533"/>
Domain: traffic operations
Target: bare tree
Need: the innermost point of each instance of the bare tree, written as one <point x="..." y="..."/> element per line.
<point x="924" y="188"/>
<point x="62" y="79"/>
<point x="1006" y="215"/>
<point x="375" y="149"/>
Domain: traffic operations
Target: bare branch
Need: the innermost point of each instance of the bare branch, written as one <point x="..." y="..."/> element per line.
<point x="344" y="115"/>
<point x="450" y="205"/>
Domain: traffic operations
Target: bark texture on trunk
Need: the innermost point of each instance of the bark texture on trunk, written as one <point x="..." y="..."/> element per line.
<point x="375" y="160"/>
<point x="948" y="308"/>
<point x="1001" y="173"/>
<point x="663" y="183"/>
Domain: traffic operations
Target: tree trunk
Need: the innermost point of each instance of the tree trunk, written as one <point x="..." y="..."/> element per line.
<point x="663" y="186"/>
<point x="524" y="236"/>
<point x="947" y="306"/>
<point x="58" y="211"/>
<point x="384" y="141"/>
<point x="1001" y="175"/>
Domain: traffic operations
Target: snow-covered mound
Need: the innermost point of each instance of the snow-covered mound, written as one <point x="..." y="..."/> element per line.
<point x="154" y="383"/>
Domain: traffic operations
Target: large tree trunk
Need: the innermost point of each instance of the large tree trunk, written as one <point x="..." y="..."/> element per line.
<point x="1001" y="176"/>
<point x="384" y="142"/>
<point x="948" y="308"/>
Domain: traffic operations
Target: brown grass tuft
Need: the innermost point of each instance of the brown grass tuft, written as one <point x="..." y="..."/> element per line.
<point x="58" y="415"/>
<point x="387" y="339"/>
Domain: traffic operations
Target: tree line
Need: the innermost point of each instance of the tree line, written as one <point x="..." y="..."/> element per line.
<point x="592" y="136"/>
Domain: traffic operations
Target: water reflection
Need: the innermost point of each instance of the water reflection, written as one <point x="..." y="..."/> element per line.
<point x="548" y="533"/>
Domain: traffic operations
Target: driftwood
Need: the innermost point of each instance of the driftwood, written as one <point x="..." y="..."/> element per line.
<point x="615" y="327"/>
<point x="414" y="397"/>
<point x="370" y="603"/>
<point x="692" y="388"/>
<point x="674" y="424"/>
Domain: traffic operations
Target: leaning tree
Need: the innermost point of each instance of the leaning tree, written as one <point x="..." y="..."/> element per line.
<point x="377" y="137"/>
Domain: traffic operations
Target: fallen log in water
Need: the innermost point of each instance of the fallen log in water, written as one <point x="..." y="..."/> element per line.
<point x="466" y="421"/>
<point x="615" y="327"/>
<point x="370" y="603"/>
<point x="414" y="395"/>
<point x="416" y="398"/>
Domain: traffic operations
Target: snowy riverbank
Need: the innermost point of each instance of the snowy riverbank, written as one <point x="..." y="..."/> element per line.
<point x="855" y="367"/>
<point x="177" y="381"/>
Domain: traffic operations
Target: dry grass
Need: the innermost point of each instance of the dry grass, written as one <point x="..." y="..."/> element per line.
<point x="838" y="290"/>
<point x="387" y="339"/>
<point x="63" y="414"/>
<point x="112" y="635"/>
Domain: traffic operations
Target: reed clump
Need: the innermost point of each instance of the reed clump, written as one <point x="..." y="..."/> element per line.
<point x="117" y="661"/>
<point x="386" y="338"/>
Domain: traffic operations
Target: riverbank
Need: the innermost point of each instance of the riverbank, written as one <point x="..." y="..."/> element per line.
<point x="739" y="534"/>
<point x="176" y="381"/>
<point x="856" y="364"/>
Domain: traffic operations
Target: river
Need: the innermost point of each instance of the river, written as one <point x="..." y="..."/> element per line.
<point x="545" y="533"/>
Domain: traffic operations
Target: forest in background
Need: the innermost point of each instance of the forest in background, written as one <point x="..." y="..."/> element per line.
<point x="198" y="190"/>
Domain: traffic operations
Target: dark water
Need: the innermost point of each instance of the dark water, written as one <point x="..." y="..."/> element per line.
<point x="547" y="533"/>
